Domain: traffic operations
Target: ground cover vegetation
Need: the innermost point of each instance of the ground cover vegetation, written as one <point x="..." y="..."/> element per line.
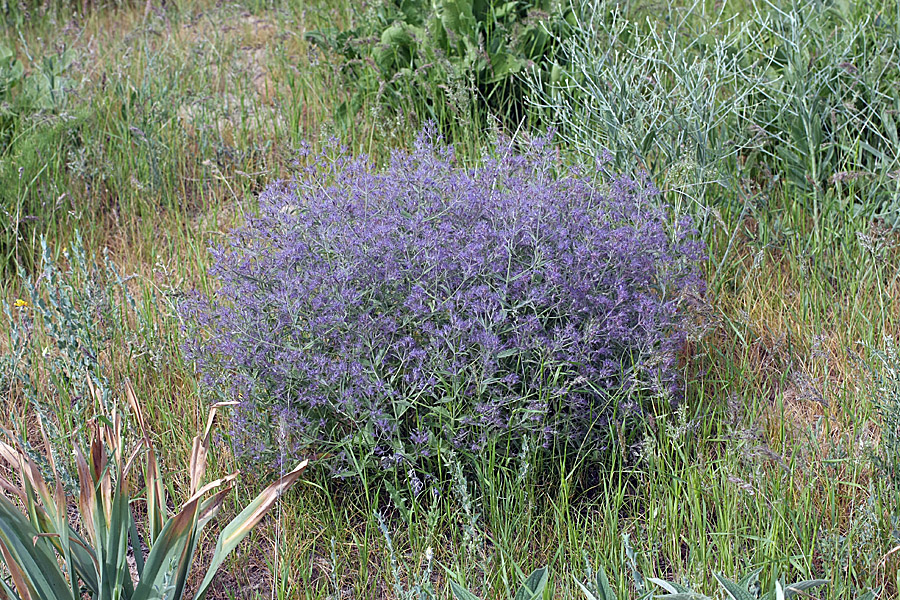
<point x="721" y="182"/>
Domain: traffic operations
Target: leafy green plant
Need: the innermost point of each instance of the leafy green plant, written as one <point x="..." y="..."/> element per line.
<point x="22" y="93"/>
<point x="748" y="588"/>
<point x="532" y="588"/>
<point x="49" y="558"/>
<point x="46" y="86"/>
<point x="450" y="60"/>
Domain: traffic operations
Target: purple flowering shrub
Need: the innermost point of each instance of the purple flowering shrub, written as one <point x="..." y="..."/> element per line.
<point x="375" y="316"/>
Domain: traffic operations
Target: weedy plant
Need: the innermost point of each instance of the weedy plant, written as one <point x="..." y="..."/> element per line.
<point x="49" y="558"/>
<point x="453" y="61"/>
<point x="387" y="316"/>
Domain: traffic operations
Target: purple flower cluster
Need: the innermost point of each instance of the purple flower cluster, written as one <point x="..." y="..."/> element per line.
<point x="377" y="315"/>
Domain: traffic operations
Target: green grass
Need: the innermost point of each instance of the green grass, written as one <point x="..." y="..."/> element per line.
<point x="170" y="127"/>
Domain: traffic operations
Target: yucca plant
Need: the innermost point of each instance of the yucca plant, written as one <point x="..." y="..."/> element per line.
<point x="50" y="559"/>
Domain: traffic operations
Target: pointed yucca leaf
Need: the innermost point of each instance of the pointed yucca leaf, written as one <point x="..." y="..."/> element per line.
<point x="136" y="410"/>
<point x="779" y="591"/>
<point x="99" y="466"/>
<point x="603" y="588"/>
<point x="200" y="450"/>
<point x="8" y="453"/>
<point x="76" y="540"/>
<point x="793" y="589"/>
<point x="185" y="562"/>
<point x="155" y="495"/>
<point x="669" y="586"/>
<point x="206" y="511"/>
<point x="115" y="439"/>
<point x="57" y="510"/>
<point x="83" y="559"/>
<point x="18" y="577"/>
<point x="169" y="549"/>
<point x="533" y="586"/>
<point x="11" y="489"/>
<point x="129" y="464"/>
<point x="31" y="558"/>
<point x="136" y="546"/>
<point x="734" y="591"/>
<point x="86" y="494"/>
<point x="8" y="592"/>
<point x="461" y="593"/>
<point x="33" y="478"/>
<point x="156" y="498"/>
<point x="683" y="596"/>
<point x="114" y="572"/>
<point x="241" y="525"/>
<point x="211" y="506"/>
<point x="211" y="486"/>
<point x="198" y="463"/>
<point x="225" y="403"/>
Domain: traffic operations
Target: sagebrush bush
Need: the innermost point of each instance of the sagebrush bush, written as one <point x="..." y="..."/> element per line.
<point x="378" y="316"/>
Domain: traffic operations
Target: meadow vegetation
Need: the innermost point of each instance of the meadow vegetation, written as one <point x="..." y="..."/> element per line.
<point x="729" y="171"/>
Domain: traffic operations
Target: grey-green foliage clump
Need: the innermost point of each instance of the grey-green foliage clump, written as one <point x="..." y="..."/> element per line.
<point x="886" y="371"/>
<point x="720" y="100"/>
<point x="62" y="331"/>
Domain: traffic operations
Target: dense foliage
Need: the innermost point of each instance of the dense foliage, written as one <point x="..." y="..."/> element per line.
<point x="449" y="60"/>
<point x="384" y="315"/>
<point x="801" y="94"/>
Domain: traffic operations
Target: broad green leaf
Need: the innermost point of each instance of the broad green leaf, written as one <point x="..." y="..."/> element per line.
<point x="533" y="586"/>
<point x="669" y="586"/>
<point x="29" y="558"/>
<point x="734" y="591"/>
<point x="603" y="588"/>
<point x="750" y="579"/>
<point x="461" y="593"/>
<point x="794" y="589"/>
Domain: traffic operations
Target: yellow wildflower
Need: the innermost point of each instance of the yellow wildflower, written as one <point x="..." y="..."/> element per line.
<point x="22" y="303"/>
